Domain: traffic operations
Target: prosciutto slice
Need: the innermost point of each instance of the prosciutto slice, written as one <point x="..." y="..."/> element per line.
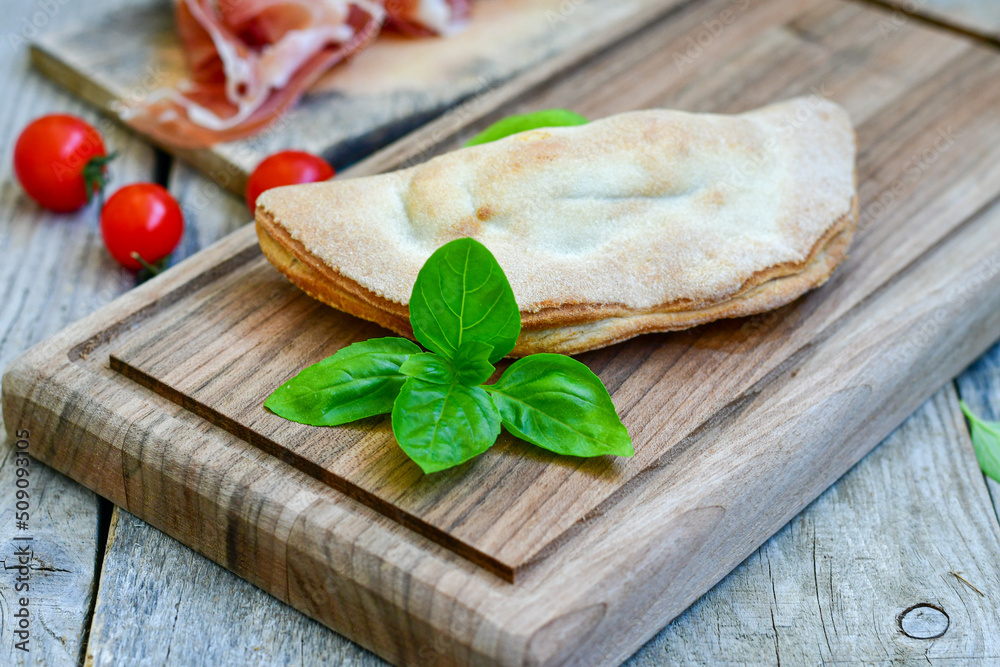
<point x="250" y="60"/>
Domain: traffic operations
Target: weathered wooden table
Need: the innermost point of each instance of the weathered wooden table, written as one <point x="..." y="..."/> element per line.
<point x="867" y="574"/>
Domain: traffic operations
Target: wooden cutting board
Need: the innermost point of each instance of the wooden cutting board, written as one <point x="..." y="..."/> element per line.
<point x="519" y="557"/>
<point x="387" y="90"/>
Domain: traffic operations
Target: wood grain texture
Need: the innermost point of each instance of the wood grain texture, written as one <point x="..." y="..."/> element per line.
<point x="831" y="585"/>
<point x="53" y="270"/>
<point x="222" y="350"/>
<point x="975" y="17"/>
<point x="646" y="554"/>
<point x="381" y="94"/>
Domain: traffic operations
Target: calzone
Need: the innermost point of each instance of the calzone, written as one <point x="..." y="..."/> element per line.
<point x="645" y="221"/>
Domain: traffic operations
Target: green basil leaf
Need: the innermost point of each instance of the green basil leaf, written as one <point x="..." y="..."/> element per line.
<point x="472" y="363"/>
<point x="429" y="367"/>
<point x="461" y="294"/>
<point x="440" y="426"/>
<point x="524" y="122"/>
<point x="360" y="380"/>
<point x="986" y="441"/>
<point x="557" y="403"/>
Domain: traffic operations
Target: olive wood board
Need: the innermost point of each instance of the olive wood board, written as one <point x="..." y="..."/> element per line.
<point x="393" y="86"/>
<point x="519" y="557"/>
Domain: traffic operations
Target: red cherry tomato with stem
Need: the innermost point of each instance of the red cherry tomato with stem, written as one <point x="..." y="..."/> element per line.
<point x="141" y="224"/>
<point x="60" y="161"/>
<point x="286" y="168"/>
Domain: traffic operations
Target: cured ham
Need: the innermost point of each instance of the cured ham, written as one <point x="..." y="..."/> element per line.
<point x="251" y="60"/>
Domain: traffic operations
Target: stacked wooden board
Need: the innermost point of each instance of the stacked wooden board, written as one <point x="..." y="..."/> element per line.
<point x="521" y="558"/>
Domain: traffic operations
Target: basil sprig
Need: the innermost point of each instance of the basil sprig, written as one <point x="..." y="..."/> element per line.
<point x="986" y="441"/>
<point x="463" y="310"/>
<point x="524" y="122"/>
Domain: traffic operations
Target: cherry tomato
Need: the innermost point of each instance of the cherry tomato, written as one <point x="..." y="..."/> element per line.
<point x="286" y="168"/>
<point x="141" y="218"/>
<point x="59" y="160"/>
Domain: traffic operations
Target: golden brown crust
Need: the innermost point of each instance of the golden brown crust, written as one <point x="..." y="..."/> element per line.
<point x="573" y="328"/>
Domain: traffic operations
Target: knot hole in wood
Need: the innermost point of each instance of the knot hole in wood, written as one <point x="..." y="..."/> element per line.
<point x="924" y="621"/>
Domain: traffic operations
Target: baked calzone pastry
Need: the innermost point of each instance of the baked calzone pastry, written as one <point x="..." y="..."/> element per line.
<point x="645" y="221"/>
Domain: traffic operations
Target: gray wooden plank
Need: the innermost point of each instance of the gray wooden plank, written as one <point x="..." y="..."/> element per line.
<point x="53" y="270"/>
<point x="199" y="613"/>
<point x="831" y="586"/>
<point x="979" y="386"/>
